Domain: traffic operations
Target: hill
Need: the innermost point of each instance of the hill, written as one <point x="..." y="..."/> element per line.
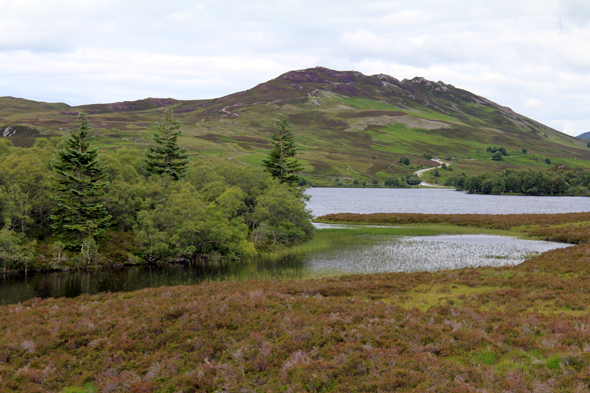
<point x="585" y="135"/>
<point x="348" y="125"/>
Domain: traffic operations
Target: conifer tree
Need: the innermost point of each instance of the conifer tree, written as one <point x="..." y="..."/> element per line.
<point x="166" y="157"/>
<point x="280" y="161"/>
<point x="79" y="182"/>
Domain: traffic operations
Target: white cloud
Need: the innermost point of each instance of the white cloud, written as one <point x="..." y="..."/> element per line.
<point x="533" y="103"/>
<point x="190" y="15"/>
<point x="531" y="55"/>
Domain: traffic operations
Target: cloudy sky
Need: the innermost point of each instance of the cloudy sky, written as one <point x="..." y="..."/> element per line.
<point x="531" y="55"/>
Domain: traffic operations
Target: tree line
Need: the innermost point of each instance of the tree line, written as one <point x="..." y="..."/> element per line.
<point x="62" y="205"/>
<point x="530" y="182"/>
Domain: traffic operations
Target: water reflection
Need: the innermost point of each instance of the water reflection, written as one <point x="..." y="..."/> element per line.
<point x="16" y="288"/>
<point x="383" y="254"/>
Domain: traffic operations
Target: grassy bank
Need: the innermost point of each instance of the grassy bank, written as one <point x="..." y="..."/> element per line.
<point x="566" y="227"/>
<point x="520" y="329"/>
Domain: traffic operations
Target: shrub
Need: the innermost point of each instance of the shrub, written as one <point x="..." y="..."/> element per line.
<point x="404" y="161"/>
<point x="497" y="156"/>
<point x="392" y="182"/>
<point x="414" y="180"/>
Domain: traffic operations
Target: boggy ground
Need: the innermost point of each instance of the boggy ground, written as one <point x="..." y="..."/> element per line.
<point x="517" y="329"/>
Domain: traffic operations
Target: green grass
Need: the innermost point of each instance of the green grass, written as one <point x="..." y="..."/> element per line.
<point x="553" y="362"/>
<point x="88" y="388"/>
<point x="486" y="357"/>
<point x="362" y="103"/>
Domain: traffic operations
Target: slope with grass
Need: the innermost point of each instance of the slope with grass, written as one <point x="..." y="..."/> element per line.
<point x="348" y="125"/>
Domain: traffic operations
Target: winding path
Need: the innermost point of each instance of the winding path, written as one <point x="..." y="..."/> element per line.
<point x="421" y="171"/>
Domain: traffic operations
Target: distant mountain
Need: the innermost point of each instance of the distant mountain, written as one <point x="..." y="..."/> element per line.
<point x="585" y="135"/>
<point x="347" y="125"/>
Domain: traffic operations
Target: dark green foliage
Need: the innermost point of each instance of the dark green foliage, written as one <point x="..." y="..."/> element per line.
<point x="280" y="161"/>
<point x="79" y="183"/>
<point x="392" y="182"/>
<point x="166" y="157"/>
<point x="217" y="210"/>
<point x="414" y="180"/>
<point x="525" y="151"/>
<point x="501" y="149"/>
<point x="428" y="156"/>
<point x="548" y="160"/>
<point x="497" y="156"/>
<point x="529" y="182"/>
<point x="404" y="161"/>
<point x="435" y="172"/>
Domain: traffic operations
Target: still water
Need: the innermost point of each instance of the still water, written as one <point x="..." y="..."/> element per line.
<point x="383" y="254"/>
<point x="439" y="201"/>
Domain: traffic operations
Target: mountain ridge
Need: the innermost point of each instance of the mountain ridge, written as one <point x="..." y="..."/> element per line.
<point x="349" y="125"/>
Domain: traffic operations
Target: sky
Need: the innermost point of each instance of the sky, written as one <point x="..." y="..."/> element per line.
<point x="530" y="55"/>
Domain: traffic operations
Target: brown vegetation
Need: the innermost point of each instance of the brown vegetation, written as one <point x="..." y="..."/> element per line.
<point x="514" y="329"/>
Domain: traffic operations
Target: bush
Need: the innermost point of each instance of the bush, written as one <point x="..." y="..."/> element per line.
<point x="404" y="161"/>
<point x="449" y="181"/>
<point x="414" y="180"/>
<point x="497" y="156"/>
<point x="428" y="156"/>
<point x="392" y="182"/>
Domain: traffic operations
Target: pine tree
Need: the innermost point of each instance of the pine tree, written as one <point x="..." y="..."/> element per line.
<point x="166" y="157"/>
<point x="280" y="162"/>
<point x="79" y="183"/>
